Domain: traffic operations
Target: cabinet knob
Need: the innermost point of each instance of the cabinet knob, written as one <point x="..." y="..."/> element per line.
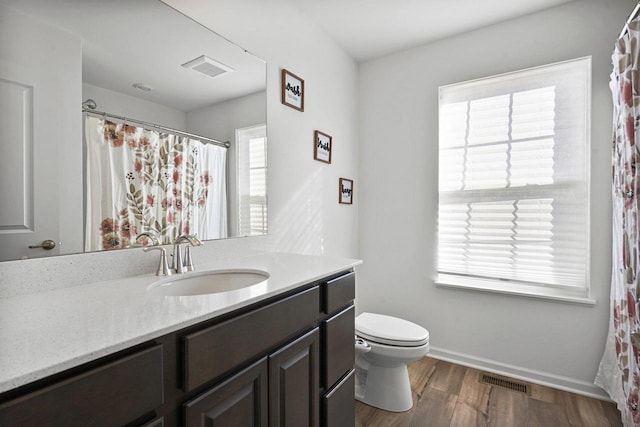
<point x="46" y="244"/>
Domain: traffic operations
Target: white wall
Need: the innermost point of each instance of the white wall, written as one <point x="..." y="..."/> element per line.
<point x="220" y="121"/>
<point x="129" y="106"/>
<point x="398" y="123"/>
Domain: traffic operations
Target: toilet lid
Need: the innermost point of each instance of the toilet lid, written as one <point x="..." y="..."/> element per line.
<point x="390" y="330"/>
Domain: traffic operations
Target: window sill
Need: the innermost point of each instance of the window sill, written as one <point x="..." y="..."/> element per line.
<point x="509" y="288"/>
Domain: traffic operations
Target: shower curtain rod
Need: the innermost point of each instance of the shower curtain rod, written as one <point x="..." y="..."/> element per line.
<point x="631" y="17"/>
<point x="103" y="114"/>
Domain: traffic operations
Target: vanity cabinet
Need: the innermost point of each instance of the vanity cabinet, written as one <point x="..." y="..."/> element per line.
<point x="278" y="390"/>
<point x="285" y="361"/>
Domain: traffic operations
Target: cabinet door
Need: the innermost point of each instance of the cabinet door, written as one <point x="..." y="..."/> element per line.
<point x="158" y="422"/>
<point x="294" y="384"/>
<point x="239" y="401"/>
<point x="339" y="349"/>
<point x="338" y="405"/>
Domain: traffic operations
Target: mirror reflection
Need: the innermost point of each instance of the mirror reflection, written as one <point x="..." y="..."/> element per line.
<point x="124" y="120"/>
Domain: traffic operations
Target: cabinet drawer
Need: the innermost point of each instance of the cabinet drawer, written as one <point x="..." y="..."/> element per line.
<point x="111" y="395"/>
<point x="338" y="405"/>
<point x="213" y="351"/>
<point x="339" y="348"/>
<point x="339" y="292"/>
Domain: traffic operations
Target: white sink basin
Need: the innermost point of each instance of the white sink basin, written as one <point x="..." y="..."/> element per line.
<point x="208" y="282"/>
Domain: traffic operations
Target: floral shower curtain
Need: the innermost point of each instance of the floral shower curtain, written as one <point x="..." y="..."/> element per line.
<point x="619" y="372"/>
<point x="141" y="180"/>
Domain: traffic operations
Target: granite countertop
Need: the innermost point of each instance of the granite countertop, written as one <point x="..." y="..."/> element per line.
<point x="48" y="332"/>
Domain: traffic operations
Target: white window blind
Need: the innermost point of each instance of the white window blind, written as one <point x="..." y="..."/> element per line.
<point x="252" y="181"/>
<point x="513" y="179"/>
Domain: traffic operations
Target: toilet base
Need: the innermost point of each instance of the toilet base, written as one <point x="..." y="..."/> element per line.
<point x="384" y="387"/>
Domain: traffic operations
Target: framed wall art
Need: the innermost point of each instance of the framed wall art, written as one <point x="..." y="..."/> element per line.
<point x="292" y="90"/>
<point x="346" y="191"/>
<point x="322" y="146"/>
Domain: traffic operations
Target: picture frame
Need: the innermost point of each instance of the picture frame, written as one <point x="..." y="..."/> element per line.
<point x="292" y="90"/>
<point x="346" y="191"/>
<point x="322" y="144"/>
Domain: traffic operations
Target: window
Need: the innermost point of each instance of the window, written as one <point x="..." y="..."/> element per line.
<point x="252" y="180"/>
<point x="513" y="182"/>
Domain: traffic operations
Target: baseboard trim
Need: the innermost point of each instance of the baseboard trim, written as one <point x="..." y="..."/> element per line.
<point x="538" y="377"/>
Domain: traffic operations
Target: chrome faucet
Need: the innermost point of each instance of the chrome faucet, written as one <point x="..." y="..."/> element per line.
<point x="180" y="265"/>
<point x="163" y="265"/>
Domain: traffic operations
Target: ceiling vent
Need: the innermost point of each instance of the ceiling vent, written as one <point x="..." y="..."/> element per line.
<point x="208" y="66"/>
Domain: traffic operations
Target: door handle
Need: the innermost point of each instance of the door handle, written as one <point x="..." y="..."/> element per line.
<point x="46" y="244"/>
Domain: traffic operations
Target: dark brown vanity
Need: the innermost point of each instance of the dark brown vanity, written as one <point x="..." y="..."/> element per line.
<point x="284" y="361"/>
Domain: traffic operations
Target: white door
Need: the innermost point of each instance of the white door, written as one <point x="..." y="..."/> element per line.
<point x="40" y="137"/>
<point x="28" y="163"/>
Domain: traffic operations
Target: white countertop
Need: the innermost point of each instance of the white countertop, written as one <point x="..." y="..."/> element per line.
<point x="45" y="333"/>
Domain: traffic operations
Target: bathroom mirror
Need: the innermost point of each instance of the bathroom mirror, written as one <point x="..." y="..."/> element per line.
<point x="140" y="66"/>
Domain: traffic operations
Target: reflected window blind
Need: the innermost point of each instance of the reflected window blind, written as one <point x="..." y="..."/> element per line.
<point x="252" y="181"/>
<point x="513" y="180"/>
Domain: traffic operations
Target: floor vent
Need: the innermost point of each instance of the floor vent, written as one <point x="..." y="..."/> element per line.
<point x="505" y="382"/>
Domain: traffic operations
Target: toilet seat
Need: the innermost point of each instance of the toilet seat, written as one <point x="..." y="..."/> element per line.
<point x="389" y="330"/>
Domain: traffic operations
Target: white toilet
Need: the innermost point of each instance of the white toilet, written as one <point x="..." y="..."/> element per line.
<point x="382" y="379"/>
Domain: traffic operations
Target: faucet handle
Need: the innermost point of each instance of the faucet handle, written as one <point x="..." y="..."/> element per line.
<point x="149" y="235"/>
<point x="189" y="238"/>
<point x="163" y="266"/>
<point x="177" y="264"/>
<point x="188" y="261"/>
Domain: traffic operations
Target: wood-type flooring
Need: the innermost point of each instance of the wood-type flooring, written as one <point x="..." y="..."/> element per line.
<point x="446" y="394"/>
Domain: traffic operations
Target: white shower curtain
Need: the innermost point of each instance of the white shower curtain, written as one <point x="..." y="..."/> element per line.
<point x="619" y="372"/>
<point x="141" y="180"/>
